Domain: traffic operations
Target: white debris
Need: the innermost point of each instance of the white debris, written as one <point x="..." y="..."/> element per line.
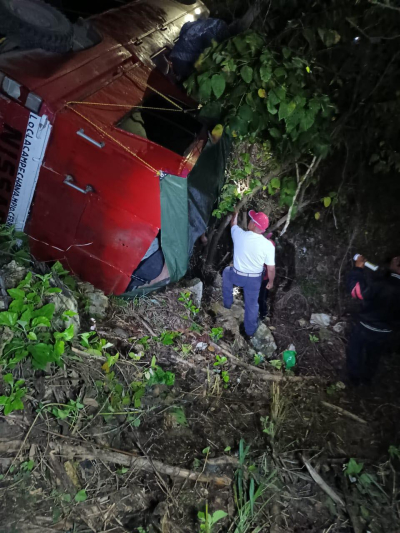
<point x="320" y="319"/>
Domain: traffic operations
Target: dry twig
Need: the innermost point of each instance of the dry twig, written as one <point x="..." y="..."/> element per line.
<point x="321" y="483"/>
<point x="344" y="412"/>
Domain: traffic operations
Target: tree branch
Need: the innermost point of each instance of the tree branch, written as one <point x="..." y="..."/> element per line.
<point x="312" y="167"/>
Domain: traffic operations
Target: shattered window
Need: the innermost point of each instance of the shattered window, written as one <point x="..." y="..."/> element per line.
<point x="167" y="127"/>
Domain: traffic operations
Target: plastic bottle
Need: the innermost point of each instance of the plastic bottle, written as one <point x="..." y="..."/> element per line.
<point x="289" y="357"/>
<point x="367" y="263"/>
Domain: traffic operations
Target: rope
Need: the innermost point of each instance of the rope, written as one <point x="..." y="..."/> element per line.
<point x="157" y="92"/>
<point x="128" y="106"/>
<point x="115" y="140"/>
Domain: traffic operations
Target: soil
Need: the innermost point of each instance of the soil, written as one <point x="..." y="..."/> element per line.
<point x="200" y="425"/>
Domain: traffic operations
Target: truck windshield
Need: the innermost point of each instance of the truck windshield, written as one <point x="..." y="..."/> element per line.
<point x="168" y="127"/>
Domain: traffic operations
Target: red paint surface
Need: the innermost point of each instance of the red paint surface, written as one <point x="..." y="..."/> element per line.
<point x="100" y="236"/>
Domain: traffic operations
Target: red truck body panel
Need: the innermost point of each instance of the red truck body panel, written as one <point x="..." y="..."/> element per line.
<point x="103" y="234"/>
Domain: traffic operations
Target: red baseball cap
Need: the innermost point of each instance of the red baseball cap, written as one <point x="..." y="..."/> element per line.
<point x="260" y="219"/>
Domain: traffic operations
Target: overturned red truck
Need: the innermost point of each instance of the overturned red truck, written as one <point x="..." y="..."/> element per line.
<point x="98" y="149"/>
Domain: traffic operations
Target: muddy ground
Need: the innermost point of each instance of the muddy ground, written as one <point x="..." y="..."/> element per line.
<point x="108" y="466"/>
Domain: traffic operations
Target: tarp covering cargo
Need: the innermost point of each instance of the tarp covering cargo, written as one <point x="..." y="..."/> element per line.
<point x="186" y="208"/>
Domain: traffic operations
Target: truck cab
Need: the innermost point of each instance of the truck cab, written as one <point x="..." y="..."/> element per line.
<point x="86" y="137"/>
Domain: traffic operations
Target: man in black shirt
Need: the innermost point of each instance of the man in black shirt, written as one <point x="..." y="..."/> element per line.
<point x="378" y="319"/>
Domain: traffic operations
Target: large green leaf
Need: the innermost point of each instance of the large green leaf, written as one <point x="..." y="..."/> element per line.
<point x="205" y="90"/>
<point x="218" y="85"/>
<point x="16" y="294"/>
<point x="286" y="109"/>
<point x="42" y="354"/>
<point x="46" y="311"/>
<point x="8" y="318"/>
<point x="245" y="112"/>
<point x="265" y="73"/>
<point x="247" y="73"/>
<point x="307" y="120"/>
<point x="328" y="37"/>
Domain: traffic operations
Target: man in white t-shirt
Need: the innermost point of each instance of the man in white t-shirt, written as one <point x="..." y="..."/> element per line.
<point x="250" y="252"/>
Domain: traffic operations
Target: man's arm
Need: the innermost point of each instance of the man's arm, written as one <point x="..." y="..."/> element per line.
<point x="234" y="219"/>
<point x="356" y="283"/>
<point x="271" y="276"/>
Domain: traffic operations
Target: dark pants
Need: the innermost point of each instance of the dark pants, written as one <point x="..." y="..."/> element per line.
<point x="364" y="350"/>
<point x="251" y="289"/>
<point x="262" y="299"/>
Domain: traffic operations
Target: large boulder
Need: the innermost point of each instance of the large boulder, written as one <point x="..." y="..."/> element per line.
<point x="263" y="341"/>
<point x="97" y="301"/>
<point x="230" y="319"/>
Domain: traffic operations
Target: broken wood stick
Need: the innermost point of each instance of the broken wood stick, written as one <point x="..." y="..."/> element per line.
<point x="344" y="412"/>
<point x="322" y="484"/>
<point x="133" y="461"/>
<point x="268" y="376"/>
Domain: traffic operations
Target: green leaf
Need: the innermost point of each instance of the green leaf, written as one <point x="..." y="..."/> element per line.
<point x="353" y="468"/>
<point x="206" y="450"/>
<point x="265" y="73"/>
<point x="179" y="414"/>
<point x="16" y="294"/>
<point x="42" y="354"/>
<point x="218" y="85"/>
<point x="205" y="90"/>
<point x="280" y="72"/>
<point x="327" y="201"/>
<point x="16" y="306"/>
<point x="46" y="311"/>
<point x="8" y="318"/>
<point x="59" y="347"/>
<point x="275" y="183"/>
<point x="218" y="515"/>
<point x="328" y="37"/>
<point x="307" y="120"/>
<point x="67" y="334"/>
<point x="275" y="133"/>
<point x="81" y="496"/>
<point x="40" y="321"/>
<point x="8" y="378"/>
<point x="247" y="73"/>
<point x="245" y="112"/>
<point x="286" y="53"/>
<point x="286" y="109"/>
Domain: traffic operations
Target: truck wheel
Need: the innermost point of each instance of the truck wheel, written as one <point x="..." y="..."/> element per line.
<point x="35" y="24"/>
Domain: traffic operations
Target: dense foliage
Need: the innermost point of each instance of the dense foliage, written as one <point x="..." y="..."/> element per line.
<point x="263" y="93"/>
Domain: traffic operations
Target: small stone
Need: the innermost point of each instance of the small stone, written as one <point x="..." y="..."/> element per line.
<point x="320" y="319"/>
<point x="119" y="332"/>
<point x="201" y="346"/>
<point x="339" y="327"/>
<point x="303" y="323"/>
<point x="65" y="303"/>
<point x="90" y="402"/>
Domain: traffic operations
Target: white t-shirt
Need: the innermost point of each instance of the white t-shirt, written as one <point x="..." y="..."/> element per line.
<point x="251" y="251"/>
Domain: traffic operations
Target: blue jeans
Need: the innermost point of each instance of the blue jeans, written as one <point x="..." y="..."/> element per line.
<point x="251" y="288"/>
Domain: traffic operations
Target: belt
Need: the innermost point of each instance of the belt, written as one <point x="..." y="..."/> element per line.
<point x="246" y="275"/>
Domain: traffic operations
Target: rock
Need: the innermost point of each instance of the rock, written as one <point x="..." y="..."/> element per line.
<point x="264" y="342"/>
<point x="339" y="327"/>
<point x="65" y="303"/>
<point x="320" y="319"/>
<point x="97" y="300"/>
<point x="217" y="282"/>
<point x="230" y="319"/>
<point x="201" y="346"/>
<point x="195" y="286"/>
<point x="303" y="323"/>
<point x="12" y="274"/>
<point x="121" y="333"/>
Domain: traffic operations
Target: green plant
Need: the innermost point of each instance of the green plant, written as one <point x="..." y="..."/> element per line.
<point x="276" y="363"/>
<point x="262" y="93"/>
<point x="208" y="520"/>
<point x="167" y="338"/>
<point x="93" y="343"/>
<point x="157" y="375"/>
<point x="179" y="414"/>
<point x="68" y="411"/>
<point x="258" y="358"/>
<point x="314" y="339"/>
<point x="333" y="388"/>
<point x="186" y="299"/>
<point x="394" y="451"/>
<point x="225" y="378"/>
<point x="196" y="327"/>
<point x="220" y="360"/>
<point x="14" y="244"/>
<point x="144" y="341"/>
<point x="29" y="320"/>
<point x="13" y="402"/>
<point x="268" y="425"/>
<point x="186" y="349"/>
<point x="216" y="334"/>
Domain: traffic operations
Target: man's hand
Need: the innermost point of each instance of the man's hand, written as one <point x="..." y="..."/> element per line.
<point x="271" y="276"/>
<point x="270" y="285"/>
<point x="360" y="261"/>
